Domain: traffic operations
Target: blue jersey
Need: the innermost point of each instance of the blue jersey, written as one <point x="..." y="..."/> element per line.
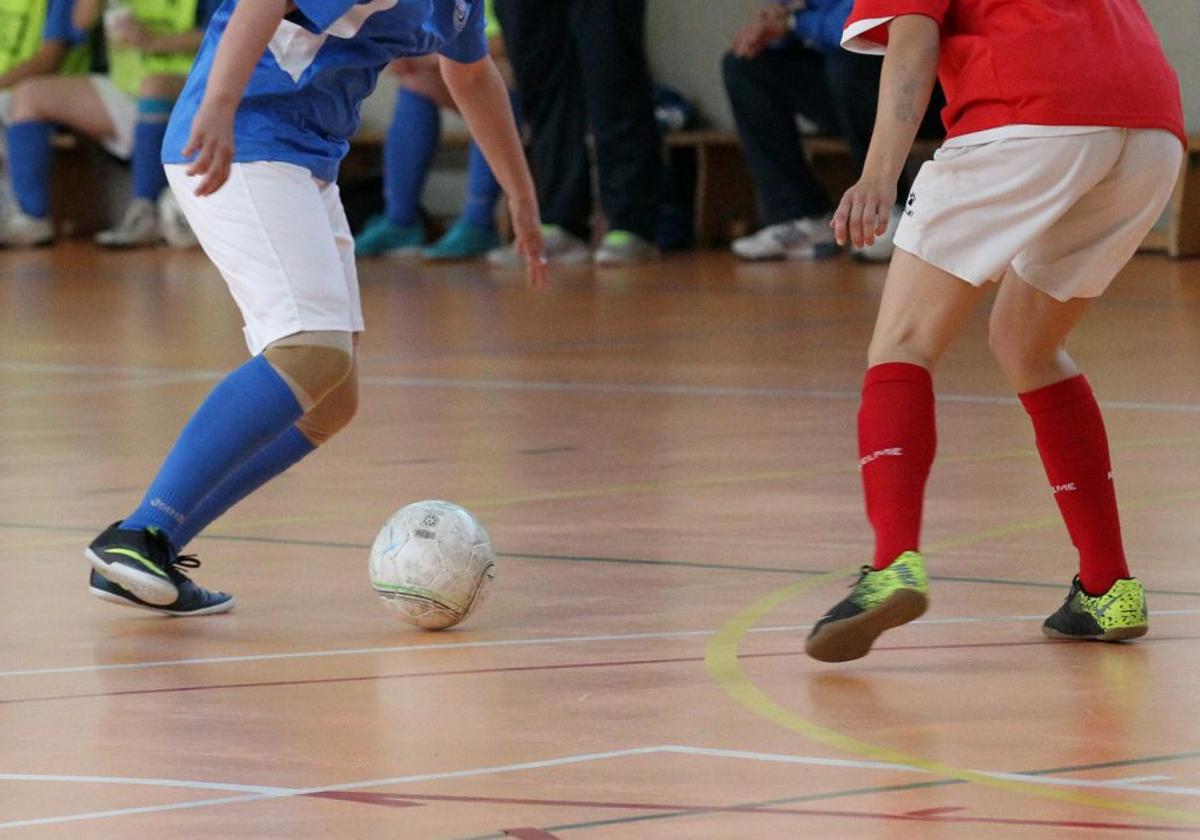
<point x="302" y="103"/>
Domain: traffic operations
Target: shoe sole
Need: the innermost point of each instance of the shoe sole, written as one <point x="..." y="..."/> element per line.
<point x="1119" y="634"/>
<point x="851" y="638"/>
<point x="150" y="588"/>
<point x="224" y="606"/>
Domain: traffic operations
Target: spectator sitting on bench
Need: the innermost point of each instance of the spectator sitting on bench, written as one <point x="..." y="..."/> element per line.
<point x="151" y="45"/>
<point x="786" y="61"/>
<point x="408" y="151"/>
<point x="38" y="39"/>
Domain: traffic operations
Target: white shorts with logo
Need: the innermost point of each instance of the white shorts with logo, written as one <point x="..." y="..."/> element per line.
<point x="122" y="110"/>
<point x="1065" y="213"/>
<point x="281" y="240"/>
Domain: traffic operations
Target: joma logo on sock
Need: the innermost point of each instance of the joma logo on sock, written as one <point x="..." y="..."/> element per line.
<point x="167" y="509"/>
<point x="891" y="452"/>
<point x="1069" y="487"/>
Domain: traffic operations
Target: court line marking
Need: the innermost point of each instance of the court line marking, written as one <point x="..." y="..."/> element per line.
<point x="494" y="643"/>
<point x="721" y="655"/>
<point x="258" y="793"/>
<point x="171" y="376"/>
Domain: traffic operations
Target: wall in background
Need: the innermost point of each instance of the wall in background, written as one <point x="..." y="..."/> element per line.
<point x="686" y="39"/>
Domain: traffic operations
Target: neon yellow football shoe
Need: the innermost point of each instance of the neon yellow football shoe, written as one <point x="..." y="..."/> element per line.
<point x="1120" y="613"/>
<point x="880" y="600"/>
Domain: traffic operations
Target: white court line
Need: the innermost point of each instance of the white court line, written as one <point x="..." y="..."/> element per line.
<point x="261" y="793"/>
<point x="493" y="643"/>
<point x="167" y="376"/>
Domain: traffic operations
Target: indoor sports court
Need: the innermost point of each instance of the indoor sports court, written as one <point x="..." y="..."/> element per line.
<point x="661" y="456"/>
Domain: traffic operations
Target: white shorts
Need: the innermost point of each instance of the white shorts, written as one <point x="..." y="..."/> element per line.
<point x="122" y="110"/>
<point x="280" y="239"/>
<point x="1065" y="213"/>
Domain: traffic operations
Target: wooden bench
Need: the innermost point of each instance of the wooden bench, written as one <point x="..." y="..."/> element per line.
<point x="1183" y="230"/>
<point x="725" y="203"/>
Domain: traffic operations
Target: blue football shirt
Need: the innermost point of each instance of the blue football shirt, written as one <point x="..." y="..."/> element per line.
<point x="302" y="103"/>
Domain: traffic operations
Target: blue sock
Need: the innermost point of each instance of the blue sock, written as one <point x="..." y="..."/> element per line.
<point x="483" y="190"/>
<point x="272" y="460"/>
<point x="29" y="149"/>
<point x="249" y="408"/>
<point x="149" y="177"/>
<point x="412" y="141"/>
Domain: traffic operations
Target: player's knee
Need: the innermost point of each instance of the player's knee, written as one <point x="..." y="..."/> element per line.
<point x="313" y="363"/>
<point x="332" y="414"/>
<point x="1019" y="351"/>
<point x="25" y="100"/>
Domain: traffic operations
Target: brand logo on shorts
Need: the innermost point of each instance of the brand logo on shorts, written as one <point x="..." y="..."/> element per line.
<point x="461" y="12"/>
<point x="910" y="206"/>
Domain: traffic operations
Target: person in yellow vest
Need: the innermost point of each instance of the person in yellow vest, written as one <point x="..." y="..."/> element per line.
<point x="37" y="38"/>
<point x="151" y="45"/>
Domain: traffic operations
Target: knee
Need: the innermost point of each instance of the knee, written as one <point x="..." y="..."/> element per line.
<point x="161" y="86"/>
<point x="313" y="363"/>
<point x="903" y="343"/>
<point x="332" y="414"/>
<point x="25" y="99"/>
<point x="1020" y="353"/>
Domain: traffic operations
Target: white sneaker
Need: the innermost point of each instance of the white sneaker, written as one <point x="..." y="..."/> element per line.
<point x="20" y="230"/>
<point x="801" y="239"/>
<point x="881" y="250"/>
<point x="561" y="249"/>
<point x="139" y="226"/>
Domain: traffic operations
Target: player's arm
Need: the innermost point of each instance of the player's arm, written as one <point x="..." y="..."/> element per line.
<point x="909" y="72"/>
<point x="86" y="13"/>
<point x="246" y="37"/>
<point x="44" y="62"/>
<point x="482" y="97"/>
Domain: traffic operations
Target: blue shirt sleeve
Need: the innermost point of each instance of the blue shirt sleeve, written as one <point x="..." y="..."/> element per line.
<point x="318" y="15"/>
<point x="58" y="23"/>
<point x="470" y="45"/>
<point x="821" y="23"/>
<point x="205" y="10"/>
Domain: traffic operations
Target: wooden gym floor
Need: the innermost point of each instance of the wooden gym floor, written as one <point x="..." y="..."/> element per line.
<point x="665" y="458"/>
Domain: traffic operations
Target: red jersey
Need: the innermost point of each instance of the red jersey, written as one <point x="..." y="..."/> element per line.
<point x="1038" y="62"/>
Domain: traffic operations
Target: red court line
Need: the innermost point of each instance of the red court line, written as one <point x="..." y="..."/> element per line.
<point x="932" y="815"/>
<point x="565" y="666"/>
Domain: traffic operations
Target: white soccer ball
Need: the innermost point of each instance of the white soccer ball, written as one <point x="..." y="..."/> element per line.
<point x="432" y="564"/>
<point x="172" y="223"/>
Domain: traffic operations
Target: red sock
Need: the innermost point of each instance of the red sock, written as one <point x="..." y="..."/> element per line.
<point x="1074" y="447"/>
<point x="897" y="438"/>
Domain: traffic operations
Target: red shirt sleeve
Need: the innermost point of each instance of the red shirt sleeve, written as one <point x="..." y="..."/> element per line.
<point x="866" y="28"/>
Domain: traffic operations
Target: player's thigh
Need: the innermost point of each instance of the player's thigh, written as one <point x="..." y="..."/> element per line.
<point x="1028" y="324"/>
<point x="1085" y="249"/>
<point x="922" y="310"/>
<point x="69" y="101"/>
<point x="268" y="232"/>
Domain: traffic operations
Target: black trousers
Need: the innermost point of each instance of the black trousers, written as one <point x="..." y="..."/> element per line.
<point x="838" y="91"/>
<point x="581" y="64"/>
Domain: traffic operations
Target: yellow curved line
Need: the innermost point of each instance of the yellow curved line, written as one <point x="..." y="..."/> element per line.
<point x="721" y="660"/>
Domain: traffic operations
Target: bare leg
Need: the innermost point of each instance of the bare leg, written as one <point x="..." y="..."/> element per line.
<point x="1028" y="332"/>
<point x="69" y="101"/>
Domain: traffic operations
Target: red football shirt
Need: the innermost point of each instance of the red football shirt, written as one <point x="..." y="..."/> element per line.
<point x="1038" y="62"/>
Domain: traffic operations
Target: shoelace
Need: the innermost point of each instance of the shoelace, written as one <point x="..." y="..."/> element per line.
<point x="188" y="561"/>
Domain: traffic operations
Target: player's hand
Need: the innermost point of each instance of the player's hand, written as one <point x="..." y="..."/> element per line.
<point x="865" y="211"/>
<point x="769" y="24"/>
<point x="212" y="144"/>
<point x="527" y="226"/>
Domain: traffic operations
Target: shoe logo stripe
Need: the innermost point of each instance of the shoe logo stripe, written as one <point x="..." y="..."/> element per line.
<point x="128" y="552"/>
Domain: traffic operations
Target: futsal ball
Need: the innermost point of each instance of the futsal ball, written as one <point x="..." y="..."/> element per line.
<point x="172" y="223"/>
<point x="432" y="564"/>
